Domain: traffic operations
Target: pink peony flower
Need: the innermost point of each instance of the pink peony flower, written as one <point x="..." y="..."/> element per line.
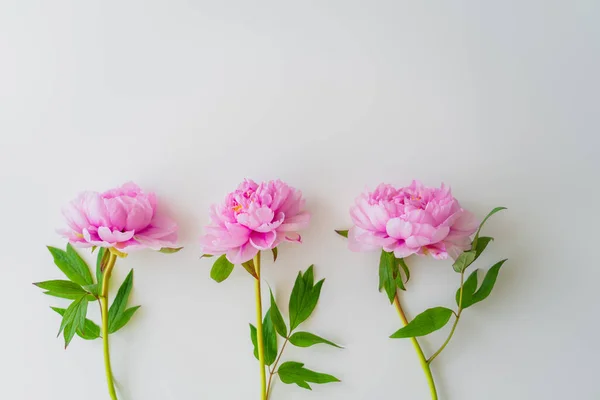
<point x="253" y="218"/>
<point x="411" y="220"/>
<point x="123" y="218"/>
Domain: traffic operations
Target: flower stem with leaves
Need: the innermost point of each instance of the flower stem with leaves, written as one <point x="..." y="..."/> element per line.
<point x="303" y="300"/>
<point x="81" y="289"/>
<point x="112" y="258"/>
<point x="259" y="329"/>
<point x="391" y="270"/>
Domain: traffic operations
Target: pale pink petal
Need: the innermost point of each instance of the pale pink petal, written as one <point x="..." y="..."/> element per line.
<point x="115" y="236"/>
<point x="398" y="228"/>
<point x="295" y="223"/>
<point x="242" y="254"/>
<point x="263" y="241"/>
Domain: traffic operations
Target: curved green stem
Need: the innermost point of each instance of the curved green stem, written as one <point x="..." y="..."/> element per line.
<point x="259" y="330"/>
<point x="104" y="309"/>
<point x="417" y="346"/>
<point x="460" y="297"/>
<point x="274" y="370"/>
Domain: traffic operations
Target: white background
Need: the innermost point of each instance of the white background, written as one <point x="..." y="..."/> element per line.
<point x="187" y="98"/>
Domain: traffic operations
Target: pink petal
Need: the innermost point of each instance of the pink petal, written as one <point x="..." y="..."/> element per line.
<point x="263" y="241"/>
<point x="95" y="209"/>
<point x="115" y="236"/>
<point x="295" y="223"/>
<point x="242" y="254"/>
<point x="398" y="228"/>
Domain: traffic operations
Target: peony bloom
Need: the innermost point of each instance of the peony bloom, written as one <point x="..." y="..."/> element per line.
<point x="124" y="218"/>
<point x="253" y="218"/>
<point x="411" y="220"/>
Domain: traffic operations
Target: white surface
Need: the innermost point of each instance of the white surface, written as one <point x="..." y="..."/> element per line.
<point x="187" y="98"/>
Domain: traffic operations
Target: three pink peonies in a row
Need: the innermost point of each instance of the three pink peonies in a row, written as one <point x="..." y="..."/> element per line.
<point x="410" y="220"/>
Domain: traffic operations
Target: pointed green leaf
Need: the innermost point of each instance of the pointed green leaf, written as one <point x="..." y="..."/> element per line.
<point x="73" y="319"/>
<point x="277" y="318"/>
<point x="170" y="250"/>
<point x="294" y="372"/>
<point x="92" y="289"/>
<point x="89" y="297"/>
<point x="249" y="266"/>
<point x="304" y="298"/>
<point x="122" y="319"/>
<point x="343" y="233"/>
<point x="387" y="280"/>
<point x="428" y="321"/>
<point x="270" y="339"/>
<point x="253" y="336"/>
<point x="221" y="269"/>
<point x="402" y="264"/>
<point x="90" y="331"/>
<point x="486" y="286"/>
<point x="69" y="315"/>
<point x="469" y="287"/>
<point x="309" y="277"/>
<point x="468" y="257"/>
<point x="120" y="302"/>
<point x="62" y="287"/>
<point x="275" y="252"/>
<point x="80" y="265"/>
<point x="494" y="211"/>
<point x="296" y="299"/>
<point x="306" y="339"/>
<point x="206" y="256"/>
<point x="101" y="261"/>
<point x="68" y="266"/>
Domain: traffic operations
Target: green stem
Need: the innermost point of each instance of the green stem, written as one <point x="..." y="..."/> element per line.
<point x="274" y="370"/>
<point x="259" y="330"/>
<point x="104" y="309"/>
<point x="419" y="351"/>
<point x="460" y="297"/>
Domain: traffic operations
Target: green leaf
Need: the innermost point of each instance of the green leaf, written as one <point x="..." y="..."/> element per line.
<point x="62" y="287"/>
<point x="309" y="276"/>
<point x="304" y="297"/>
<point x="428" y="321"/>
<point x="92" y="289"/>
<point x="69" y="266"/>
<point x="494" y="211"/>
<point x="73" y="319"/>
<point x="119" y="304"/>
<point x="468" y="257"/>
<point x="122" y="319"/>
<point x="101" y="261"/>
<point x="69" y="315"/>
<point x="253" y="336"/>
<point x="270" y="339"/>
<point x="275" y="252"/>
<point x="249" y="266"/>
<point x="221" y="269"/>
<point x="90" y="330"/>
<point x="170" y="250"/>
<point x="306" y="339"/>
<point x="402" y="264"/>
<point x="486" y="286"/>
<point x="387" y="277"/>
<point x="206" y="256"/>
<point x="477" y="246"/>
<point x="343" y="233"/>
<point x="469" y="287"/>
<point x="277" y="318"/>
<point x="89" y="297"/>
<point x="294" y="372"/>
<point x="80" y="265"/>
